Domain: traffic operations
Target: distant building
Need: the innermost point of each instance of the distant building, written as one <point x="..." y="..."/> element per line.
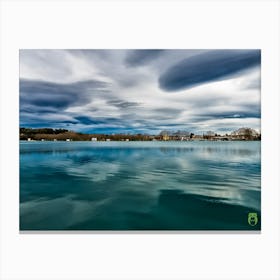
<point x="245" y="133"/>
<point x="178" y="135"/>
<point x="165" y="135"/>
<point x="29" y="139"/>
<point x="209" y="135"/>
<point x="108" y="139"/>
<point x="54" y="139"/>
<point x="68" y="140"/>
<point x="93" y="139"/>
<point x="197" y="137"/>
<point x="184" y="138"/>
<point x="126" y="140"/>
<point x="42" y="139"/>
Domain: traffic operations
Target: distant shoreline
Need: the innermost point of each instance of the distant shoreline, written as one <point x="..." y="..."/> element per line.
<point x="49" y="134"/>
<point x="195" y="140"/>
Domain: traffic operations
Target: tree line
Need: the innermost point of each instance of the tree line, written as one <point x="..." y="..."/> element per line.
<point x="50" y="134"/>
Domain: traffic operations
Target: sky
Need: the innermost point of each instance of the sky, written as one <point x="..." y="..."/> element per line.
<point x="140" y="91"/>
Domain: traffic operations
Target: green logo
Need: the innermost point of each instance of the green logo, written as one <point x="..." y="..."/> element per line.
<point x="252" y="219"/>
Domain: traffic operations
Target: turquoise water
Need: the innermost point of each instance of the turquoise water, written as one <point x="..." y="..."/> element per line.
<point x="199" y="185"/>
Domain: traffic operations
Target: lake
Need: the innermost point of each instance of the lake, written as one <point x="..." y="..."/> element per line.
<point x="188" y="185"/>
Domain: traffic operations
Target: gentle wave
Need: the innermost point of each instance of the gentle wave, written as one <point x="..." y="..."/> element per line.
<point x="139" y="185"/>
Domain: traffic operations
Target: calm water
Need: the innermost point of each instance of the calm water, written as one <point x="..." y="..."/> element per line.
<point x="139" y="185"/>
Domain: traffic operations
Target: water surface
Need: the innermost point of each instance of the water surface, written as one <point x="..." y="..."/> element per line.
<point x="199" y="185"/>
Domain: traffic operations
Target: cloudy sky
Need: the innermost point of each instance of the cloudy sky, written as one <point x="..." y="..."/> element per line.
<point x="140" y="91"/>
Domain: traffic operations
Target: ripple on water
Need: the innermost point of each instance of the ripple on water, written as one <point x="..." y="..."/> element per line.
<point x="170" y="185"/>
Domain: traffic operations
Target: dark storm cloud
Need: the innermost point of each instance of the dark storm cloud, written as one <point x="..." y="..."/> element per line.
<point x="153" y="114"/>
<point x="85" y="120"/>
<point x="49" y="95"/>
<point x="173" y="112"/>
<point x="37" y="120"/>
<point x="237" y="115"/>
<point x="208" y="67"/>
<point x="230" y="115"/>
<point x="122" y="104"/>
<point x="97" y="120"/>
<point x="141" y="57"/>
<point x="27" y="108"/>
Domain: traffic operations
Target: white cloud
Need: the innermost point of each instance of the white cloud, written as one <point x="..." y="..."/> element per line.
<point x="133" y="95"/>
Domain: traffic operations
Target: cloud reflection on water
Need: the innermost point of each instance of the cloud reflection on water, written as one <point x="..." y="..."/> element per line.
<point x="118" y="187"/>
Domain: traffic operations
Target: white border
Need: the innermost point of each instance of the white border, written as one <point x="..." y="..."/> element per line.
<point x="155" y="24"/>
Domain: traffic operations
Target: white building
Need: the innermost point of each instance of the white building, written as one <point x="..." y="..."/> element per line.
<point x="108" y="139"/>
<point x="93" y="139"/>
